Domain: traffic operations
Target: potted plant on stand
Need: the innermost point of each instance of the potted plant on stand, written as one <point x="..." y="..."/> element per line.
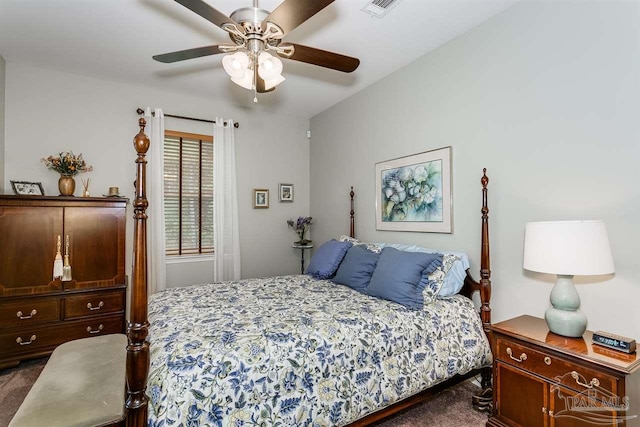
<point x="301" y="226"/>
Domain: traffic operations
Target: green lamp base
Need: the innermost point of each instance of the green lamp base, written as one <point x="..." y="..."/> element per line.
<point x="566" y="323"/>
<point x="564" y="318"/>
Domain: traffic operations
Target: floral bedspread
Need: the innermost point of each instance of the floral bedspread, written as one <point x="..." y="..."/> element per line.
<point x="295" y="351"/>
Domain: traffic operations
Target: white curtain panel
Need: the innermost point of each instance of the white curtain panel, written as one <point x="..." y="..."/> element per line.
<point x="226" y="230"/>
<point x="157" y="266"/>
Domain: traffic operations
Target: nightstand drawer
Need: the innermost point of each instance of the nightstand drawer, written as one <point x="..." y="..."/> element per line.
<point x="93" y="304"/>
<point x="29" y="311"/>
<point x="555" y="369"/>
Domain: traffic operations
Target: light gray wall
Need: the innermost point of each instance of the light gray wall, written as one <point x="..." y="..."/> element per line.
<point x="2" y="101"/>
<point x="51" y="111"/>
<point x="546" y="96"/>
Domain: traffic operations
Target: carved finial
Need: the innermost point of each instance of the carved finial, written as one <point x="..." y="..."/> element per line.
<point x="140" y="141"/>
<point x="485" y="179"/>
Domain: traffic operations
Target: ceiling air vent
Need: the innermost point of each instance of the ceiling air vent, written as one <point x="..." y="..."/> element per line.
<point x="379" y="8"/>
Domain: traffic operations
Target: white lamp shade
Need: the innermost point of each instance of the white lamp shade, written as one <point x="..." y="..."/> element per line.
<point x="567" y="248"/>
<point x="269" y="67"/>
<point x="236" y="65"/>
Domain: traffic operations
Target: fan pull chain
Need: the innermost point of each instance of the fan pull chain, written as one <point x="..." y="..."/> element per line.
<point x="255" y="79"/>
<point x="255" y="88"/>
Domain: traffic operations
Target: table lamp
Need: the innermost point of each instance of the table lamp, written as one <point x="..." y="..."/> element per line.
<point x="567" y="249"/>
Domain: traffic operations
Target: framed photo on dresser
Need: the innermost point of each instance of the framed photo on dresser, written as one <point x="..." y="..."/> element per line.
<point x="26" y="188"/>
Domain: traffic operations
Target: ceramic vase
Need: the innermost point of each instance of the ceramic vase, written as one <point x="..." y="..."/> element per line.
<point x="66" y="185"/>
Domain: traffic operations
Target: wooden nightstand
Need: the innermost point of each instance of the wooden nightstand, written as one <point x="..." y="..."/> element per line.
<point x="544" y="379"/>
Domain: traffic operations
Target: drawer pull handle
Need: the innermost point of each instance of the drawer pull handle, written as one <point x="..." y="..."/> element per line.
<point x="19" y="314"/>
<point x="19" y="340"/>
<point x="520" y="359"/>
<point x="544" y="410"/>
<point x="97" y="331"/>
<point x="92" y="308"/>
<point x="592" y="383"/>
<point x="551" y="414"/>
<point x="547" y="360"/>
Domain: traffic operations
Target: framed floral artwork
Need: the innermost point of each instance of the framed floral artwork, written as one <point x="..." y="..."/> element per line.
<point x="25" y="188"/>
<point x="414" y="193"/>
<point x="260" y="198"/>
<point x="285" y="193"/>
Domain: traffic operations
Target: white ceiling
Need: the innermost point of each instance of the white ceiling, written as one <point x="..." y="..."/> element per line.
<point x="115" y="39"/>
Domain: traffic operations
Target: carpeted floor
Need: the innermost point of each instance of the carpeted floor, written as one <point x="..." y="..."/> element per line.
<point x="15" y="383"/>
<point x="449" y="408"/>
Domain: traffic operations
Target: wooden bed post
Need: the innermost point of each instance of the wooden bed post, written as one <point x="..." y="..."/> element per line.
<point x="485" y="276"/>
<point x="485" y="259"/>
<point x="138" y="328"/>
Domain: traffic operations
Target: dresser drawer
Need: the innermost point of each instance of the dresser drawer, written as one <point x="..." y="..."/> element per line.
<point x="556" y="370"/>
<point x="32" y="339"/>
<point x="42" y="338"/>
<point x="95" y="326"/>
<point x="29" y="311"/>
<point x="93" y="304"/>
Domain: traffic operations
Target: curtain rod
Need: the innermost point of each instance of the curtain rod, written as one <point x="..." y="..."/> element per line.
<point x="140" y="112"/>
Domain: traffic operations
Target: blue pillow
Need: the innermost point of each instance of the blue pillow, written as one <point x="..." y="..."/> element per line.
<point x="327" y="258"/>
<point x="398" y="276"/>
<point x="454" y="267"/>
<point x="357" y="267"/>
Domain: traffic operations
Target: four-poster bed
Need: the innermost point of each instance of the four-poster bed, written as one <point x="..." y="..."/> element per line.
<point x="315" y="352"/>
<point x="138" y="348"/>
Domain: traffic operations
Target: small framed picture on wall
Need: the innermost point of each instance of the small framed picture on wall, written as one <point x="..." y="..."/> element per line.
<point x="260" y="198"/>
<point x="286" y="193"/>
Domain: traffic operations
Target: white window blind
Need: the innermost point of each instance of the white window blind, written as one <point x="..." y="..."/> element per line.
<point x="188" y="193"/>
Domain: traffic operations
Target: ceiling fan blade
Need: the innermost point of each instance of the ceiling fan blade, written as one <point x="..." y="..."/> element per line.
<point x="292" y="13"/>
<point x="323" y="58"/>
<point x="181" y="55"/>
<point x="209" y="13"/>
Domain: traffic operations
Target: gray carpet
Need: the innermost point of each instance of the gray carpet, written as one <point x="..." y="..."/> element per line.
<point x="15" y="383"/>
<point x="449" y="408"/>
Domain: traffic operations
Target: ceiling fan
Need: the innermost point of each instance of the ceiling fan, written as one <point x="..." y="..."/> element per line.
<point x="257" y="35"/>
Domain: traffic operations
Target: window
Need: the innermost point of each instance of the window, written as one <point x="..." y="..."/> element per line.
<point x="188" y="193"/>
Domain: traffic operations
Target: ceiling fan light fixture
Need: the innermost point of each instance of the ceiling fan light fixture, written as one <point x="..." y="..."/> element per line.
<point x="271" y="83"/>
<point x="245" y="81"/>
<point x="269" y="67"/>
<point x="236" y="65"/>
<point x="254" y="33"/>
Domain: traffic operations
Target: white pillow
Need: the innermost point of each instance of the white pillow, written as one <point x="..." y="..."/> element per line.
<point x="370" y="246"/>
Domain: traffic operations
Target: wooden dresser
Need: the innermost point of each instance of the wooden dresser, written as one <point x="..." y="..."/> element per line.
<point x="38" y="313"/>
<point x="544" y="379"/>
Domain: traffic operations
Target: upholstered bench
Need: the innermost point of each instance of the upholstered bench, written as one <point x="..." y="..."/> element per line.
<point x="82" y="384"/>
